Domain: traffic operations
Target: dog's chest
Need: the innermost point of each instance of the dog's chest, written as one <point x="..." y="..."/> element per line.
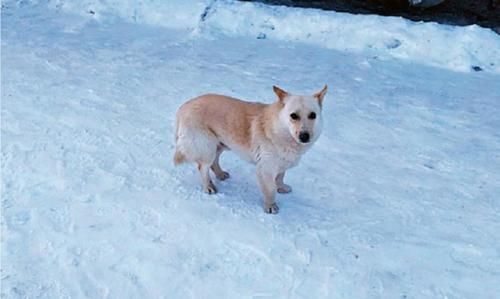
<point x="283" y="158"/>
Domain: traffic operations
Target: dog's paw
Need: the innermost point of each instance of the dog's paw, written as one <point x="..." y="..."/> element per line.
<point x="222" y="175"/>
<point x="284" y="189"/>
<point x="271" y="208"/>
<point x="210" y="189"/>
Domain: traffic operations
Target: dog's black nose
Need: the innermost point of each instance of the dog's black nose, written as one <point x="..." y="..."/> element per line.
<point x="304" y="137"/>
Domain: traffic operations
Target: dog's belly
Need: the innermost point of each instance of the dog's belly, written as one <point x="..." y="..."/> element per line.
<point x="241" y="151"/>
<point x="244" y="155"/>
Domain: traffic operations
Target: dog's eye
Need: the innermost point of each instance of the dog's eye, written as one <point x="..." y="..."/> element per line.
<point x="294" y="116"/>
<point x="312" y="115"/>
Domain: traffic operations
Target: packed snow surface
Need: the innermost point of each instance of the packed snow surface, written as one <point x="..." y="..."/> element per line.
<point x="399" y="198"/>
<point x="451" y="47"/>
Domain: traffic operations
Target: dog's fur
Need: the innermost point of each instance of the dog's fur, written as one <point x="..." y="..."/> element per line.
<point x="264" y="134"/>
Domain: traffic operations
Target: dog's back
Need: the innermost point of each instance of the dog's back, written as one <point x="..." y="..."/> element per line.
<point x="212" y="120"/>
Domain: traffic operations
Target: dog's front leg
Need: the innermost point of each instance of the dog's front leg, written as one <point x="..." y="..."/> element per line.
<point x="267" y="185"/>
<point x="282" y="187"/>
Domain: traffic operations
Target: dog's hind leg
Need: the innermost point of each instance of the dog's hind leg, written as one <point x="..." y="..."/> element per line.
<point x="200" y="147"/>
<point x="281" y="186"/>
<point x="219" y="173"/>
<point x="208" y="185"/>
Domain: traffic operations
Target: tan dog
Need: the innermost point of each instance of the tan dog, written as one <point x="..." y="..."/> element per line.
<point x="273" y="137"/>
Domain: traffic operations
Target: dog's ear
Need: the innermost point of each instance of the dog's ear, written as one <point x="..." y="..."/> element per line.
<point x="321" y="94"/>
<point x="280" y="93"/>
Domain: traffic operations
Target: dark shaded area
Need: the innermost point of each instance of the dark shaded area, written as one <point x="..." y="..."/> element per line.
<point x="485" y="13"/>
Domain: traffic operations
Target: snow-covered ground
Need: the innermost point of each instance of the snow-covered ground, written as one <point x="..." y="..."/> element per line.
<point x="400" y="197"/>
<point x="451" y="47"/>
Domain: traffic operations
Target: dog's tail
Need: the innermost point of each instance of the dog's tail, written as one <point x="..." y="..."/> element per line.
<point x="179" y="157"/>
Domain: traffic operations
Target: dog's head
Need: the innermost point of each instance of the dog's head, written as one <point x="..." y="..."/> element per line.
<point x="301" y="114"/>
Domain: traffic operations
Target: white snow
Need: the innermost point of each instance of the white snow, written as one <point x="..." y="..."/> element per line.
<point x="456" y="48"/>
<point x="451" y="47"/>
<point x="398" y="199"/>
